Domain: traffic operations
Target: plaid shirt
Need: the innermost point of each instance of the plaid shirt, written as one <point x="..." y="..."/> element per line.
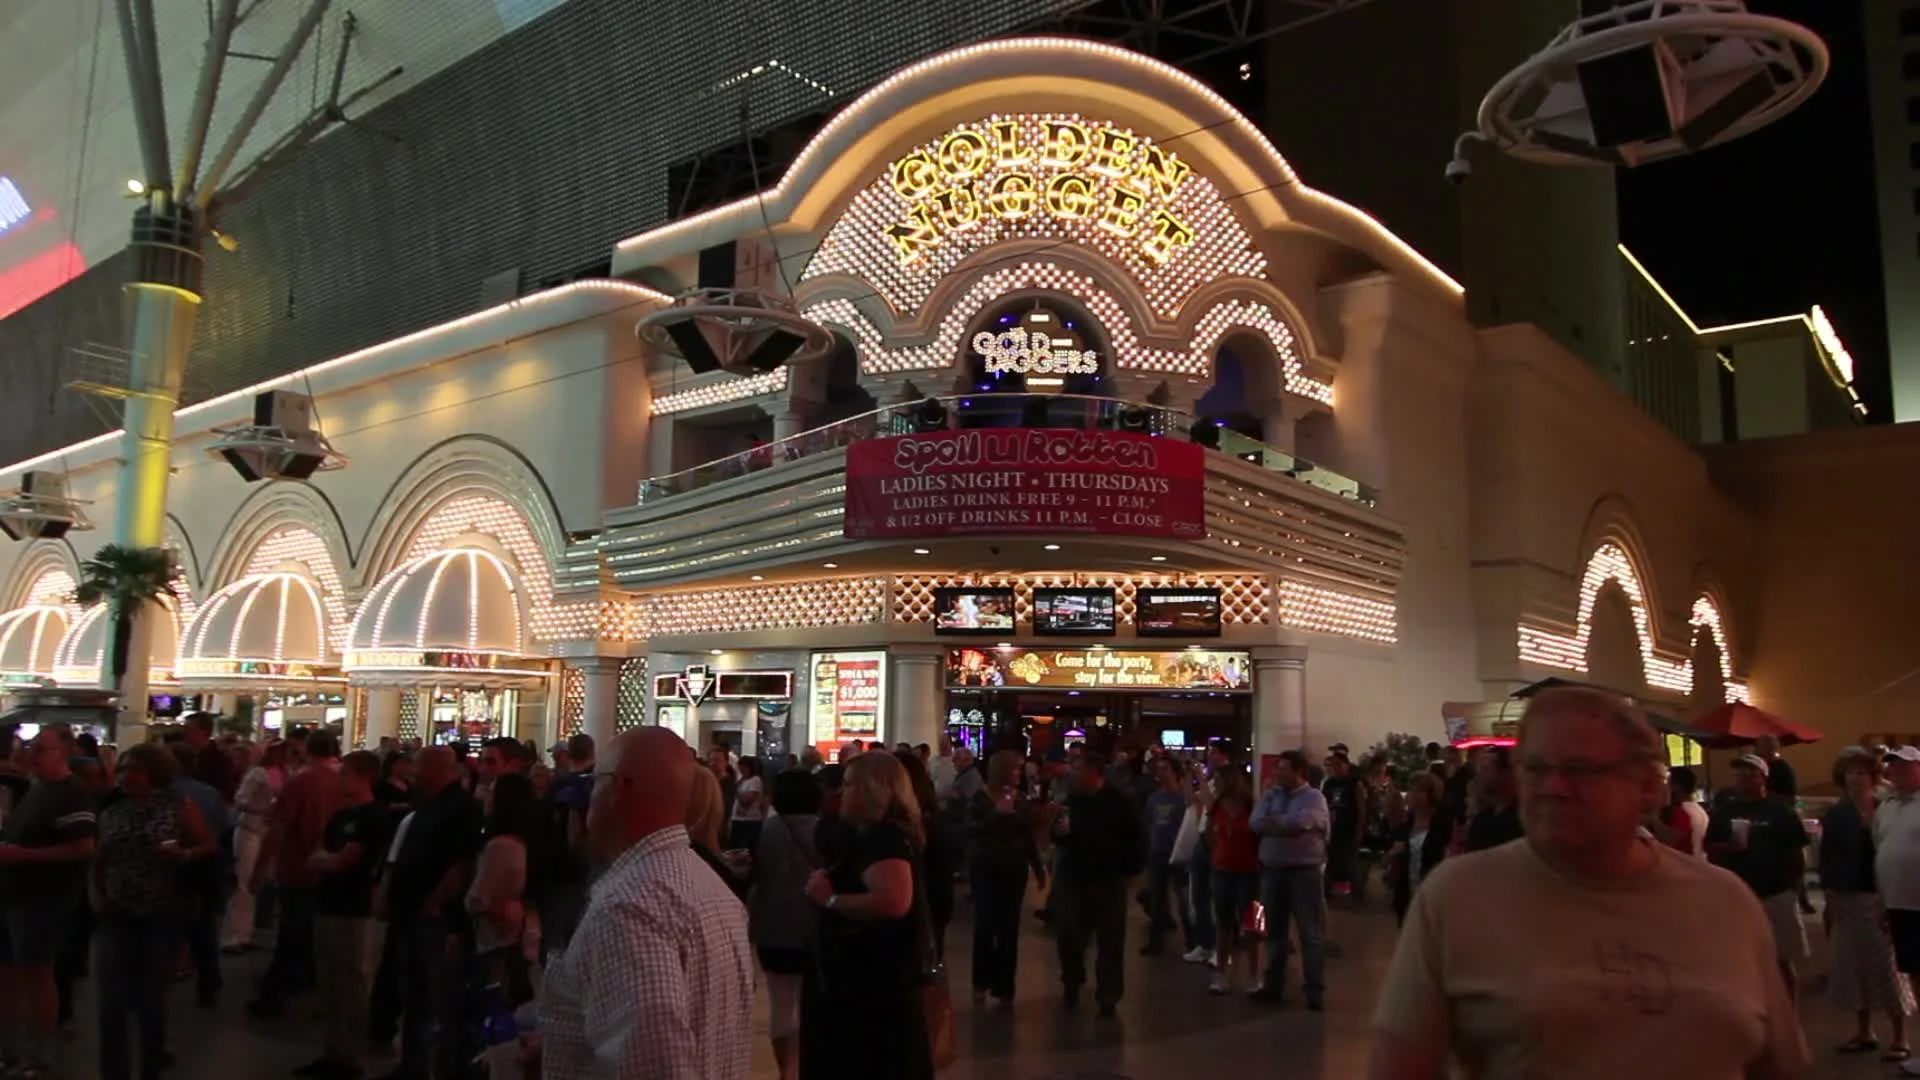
<point x="657" y="983"/>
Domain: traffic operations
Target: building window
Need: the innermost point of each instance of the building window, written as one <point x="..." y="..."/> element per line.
<point x="1916" y="201"/>
<point x="1910" y="66"/>
<point x="1913" y="110"/>
<point x="1913" y="155"/>
<point x="1910" y="22"/>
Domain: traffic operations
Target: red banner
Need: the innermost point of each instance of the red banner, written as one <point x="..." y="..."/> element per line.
<point x="1025" y="480"/>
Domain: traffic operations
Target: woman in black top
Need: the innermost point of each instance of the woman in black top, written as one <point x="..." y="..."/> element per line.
<point x="860" y="1014"/>
<point x="1002" y="846"/>
<point x="1863" y="977"/>
<point x="938" y="861"/>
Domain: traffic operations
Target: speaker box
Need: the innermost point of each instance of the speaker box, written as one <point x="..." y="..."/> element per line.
<point x="719" y="266"/>
<point x="241" y="465"/>
<point x="693" y="346"/>
<point x="1741" y="99"/>
<point x="1626" y="97"/>
<point x="774" y="351"/>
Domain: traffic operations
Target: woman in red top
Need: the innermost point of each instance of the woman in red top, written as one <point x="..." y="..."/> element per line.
<point x="1236" y="876"/>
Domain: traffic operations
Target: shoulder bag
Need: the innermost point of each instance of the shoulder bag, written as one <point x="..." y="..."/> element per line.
<point x="936" y="998"/>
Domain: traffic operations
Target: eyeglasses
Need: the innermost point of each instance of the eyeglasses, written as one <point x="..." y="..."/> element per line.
<point x="1573" y="772"/>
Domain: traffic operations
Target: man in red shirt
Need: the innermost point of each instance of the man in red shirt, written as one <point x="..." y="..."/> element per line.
<point x="296" y="829"/>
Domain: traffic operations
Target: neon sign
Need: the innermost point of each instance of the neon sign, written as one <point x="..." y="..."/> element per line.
<point x="13" y="205"/>
<point x="1013" y="168"/>
<point x="1033" y="352"/>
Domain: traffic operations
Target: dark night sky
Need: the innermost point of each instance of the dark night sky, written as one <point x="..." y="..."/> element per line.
<point x="1783" y="219"/>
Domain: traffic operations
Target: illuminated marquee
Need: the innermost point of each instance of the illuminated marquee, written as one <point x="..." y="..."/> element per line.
<point x="1032" y="352"/>
<point x="1012" y="169"/>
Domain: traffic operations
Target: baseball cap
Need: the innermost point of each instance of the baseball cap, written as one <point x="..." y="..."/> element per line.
<point x="1905" y="753"/>
<point x="1338" y="748"/>
<point x="1752" y="761"/>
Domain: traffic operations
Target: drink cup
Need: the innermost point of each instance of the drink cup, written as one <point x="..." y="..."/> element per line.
<point x="1742" y="831"/>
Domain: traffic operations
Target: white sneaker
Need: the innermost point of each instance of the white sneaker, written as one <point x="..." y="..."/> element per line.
<point x="1219" y="986"/>
<point x="1197" y="955"/>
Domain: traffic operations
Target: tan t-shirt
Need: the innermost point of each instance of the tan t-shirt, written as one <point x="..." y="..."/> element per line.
<point x="1523" y="974"/>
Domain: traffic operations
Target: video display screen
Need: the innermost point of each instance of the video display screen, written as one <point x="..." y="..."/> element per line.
<point x="1176" y="612"/>
<point x="973" y="610"/>
<point x="1074" y="611"/>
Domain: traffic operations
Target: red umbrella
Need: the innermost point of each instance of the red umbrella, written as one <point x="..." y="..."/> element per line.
<point x="1736" y="723"/>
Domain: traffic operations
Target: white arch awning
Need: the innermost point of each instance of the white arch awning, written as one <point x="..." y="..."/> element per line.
<point x="453" y="618"/>
<point x="30" y="641"/>
<point x="266" y="630"/>
<point x="83" y="651"/>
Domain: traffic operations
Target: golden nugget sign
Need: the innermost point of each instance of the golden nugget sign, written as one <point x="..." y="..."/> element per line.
<point x="1013" y="168"/>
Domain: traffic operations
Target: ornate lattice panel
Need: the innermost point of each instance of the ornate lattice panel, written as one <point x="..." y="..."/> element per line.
<point x="864" y="242"/>
<point x="409" y="715"/>
<point x="622" y="619"/>
<point x="573" y="701"/>
<point x="1244" y="600"/>
<point x="796" y="604"/>
<point x="1328" y="611"/>
<point x="631" y="707"/>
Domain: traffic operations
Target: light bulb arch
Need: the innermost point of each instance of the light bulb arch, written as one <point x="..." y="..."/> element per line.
<point x="1612" y="564"/>
<point x="30" y="639"/>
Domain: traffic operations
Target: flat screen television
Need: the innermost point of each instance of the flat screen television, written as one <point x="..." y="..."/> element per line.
<point x="1175" y="611"/>
<point x="973" y="609"/>
<point x="1074" y="611"/>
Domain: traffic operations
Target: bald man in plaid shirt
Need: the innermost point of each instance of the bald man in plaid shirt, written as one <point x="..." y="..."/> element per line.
<point x="657" y="983"/>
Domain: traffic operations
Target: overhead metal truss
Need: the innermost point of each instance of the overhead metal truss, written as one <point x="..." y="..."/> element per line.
<point x="1184" y="32"/>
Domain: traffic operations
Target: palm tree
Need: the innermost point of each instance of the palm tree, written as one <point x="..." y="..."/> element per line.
<point x="126" y="579"/>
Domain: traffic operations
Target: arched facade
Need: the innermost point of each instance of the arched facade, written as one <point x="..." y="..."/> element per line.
<point x="45" y="571"/>
<point x="284" y="524"/>
<point x="477" y="485"/>
<point x="1613" y="572"/>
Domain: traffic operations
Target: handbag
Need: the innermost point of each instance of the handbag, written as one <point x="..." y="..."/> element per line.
<point x="1187" y="839"/>
<point x="1253" y="920"/>
<point x="936" y="998"/>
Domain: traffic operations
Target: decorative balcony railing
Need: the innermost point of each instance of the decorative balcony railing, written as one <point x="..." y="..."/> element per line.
<point x="1008" y="410"/>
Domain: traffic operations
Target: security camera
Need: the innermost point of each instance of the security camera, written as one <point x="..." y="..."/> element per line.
<point x="1458" y="170"/>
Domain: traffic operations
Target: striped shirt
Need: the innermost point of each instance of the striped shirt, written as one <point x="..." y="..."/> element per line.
<point x="657" y="983"/>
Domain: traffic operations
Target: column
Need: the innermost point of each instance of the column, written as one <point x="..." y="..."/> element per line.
<point x="383" y="716"/>
<point x="220" y="704"/>
<point x="916" y="701"/>
<point x="1279" y="700"/>
<point x="602" y="677"/>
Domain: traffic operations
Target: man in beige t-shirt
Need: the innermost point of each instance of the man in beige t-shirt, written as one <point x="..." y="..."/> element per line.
<point x="1585" y="949"/>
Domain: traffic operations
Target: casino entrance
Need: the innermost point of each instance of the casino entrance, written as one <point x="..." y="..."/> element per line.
<point x="1047" y="721"/>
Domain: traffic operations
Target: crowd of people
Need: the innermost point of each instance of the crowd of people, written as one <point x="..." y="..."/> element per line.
<point x="1569" y="906"/>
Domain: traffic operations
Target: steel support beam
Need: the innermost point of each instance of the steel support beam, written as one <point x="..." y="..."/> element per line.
<point x="219" y="38"/>
<point x="209" y="184"/>
<point x="143" y="80"/>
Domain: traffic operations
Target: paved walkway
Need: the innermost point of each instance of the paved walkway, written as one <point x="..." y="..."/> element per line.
<point x="1168" y="1025"/>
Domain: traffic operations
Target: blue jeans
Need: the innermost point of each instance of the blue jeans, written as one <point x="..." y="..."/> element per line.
<point x="1295" y="894"/>
<point x="133" y="966"/>
<point x="1200" y="897"/>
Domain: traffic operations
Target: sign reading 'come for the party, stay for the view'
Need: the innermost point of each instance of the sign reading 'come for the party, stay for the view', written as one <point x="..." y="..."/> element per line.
<point x="1025" y="481"/>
